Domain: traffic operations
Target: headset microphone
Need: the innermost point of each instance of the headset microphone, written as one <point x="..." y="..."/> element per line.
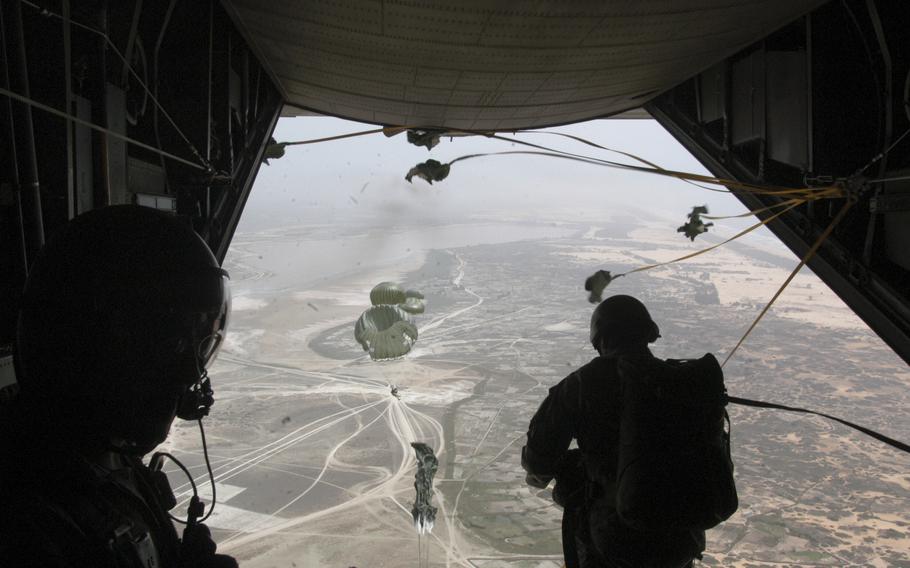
<point x="194" y="404"/>
<point x="196" y="401"/>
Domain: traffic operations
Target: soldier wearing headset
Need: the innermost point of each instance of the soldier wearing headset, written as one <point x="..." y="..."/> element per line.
<point x="122" y="313"/>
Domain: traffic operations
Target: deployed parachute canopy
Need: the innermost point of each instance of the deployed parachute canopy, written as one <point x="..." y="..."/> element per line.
<point x="385" y="330"/>
<point x="387" y="293"/>
<point x="413" y="302"/>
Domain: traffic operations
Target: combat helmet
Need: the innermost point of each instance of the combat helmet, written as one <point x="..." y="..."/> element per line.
<point x="123" y="304"/>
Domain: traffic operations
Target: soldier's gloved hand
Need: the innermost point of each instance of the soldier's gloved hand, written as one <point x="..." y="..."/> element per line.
<point x="198" y="550"/>
<point x="538" y="481"/>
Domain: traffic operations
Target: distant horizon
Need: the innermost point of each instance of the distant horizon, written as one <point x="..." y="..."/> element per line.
<point x="363" y="177"/>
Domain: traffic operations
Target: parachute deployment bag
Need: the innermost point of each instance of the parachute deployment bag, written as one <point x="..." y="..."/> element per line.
<point x="674" y="468"/>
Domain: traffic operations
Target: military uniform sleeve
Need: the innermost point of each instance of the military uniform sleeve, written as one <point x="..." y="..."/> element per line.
<point x="550" y="432"/>
<point x="38" y="538"/>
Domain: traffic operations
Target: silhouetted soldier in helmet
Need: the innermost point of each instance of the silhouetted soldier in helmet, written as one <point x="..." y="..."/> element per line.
<point x="585" y="406"/>
<point x="122" y="312"/>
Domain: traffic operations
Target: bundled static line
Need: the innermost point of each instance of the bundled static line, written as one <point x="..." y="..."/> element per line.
<point x="731" y="186"/>
<point x="653" y="168"/>
<point x="614" y="150"/>
<point x="794" y="201"/>
<point x="388" y="131"/>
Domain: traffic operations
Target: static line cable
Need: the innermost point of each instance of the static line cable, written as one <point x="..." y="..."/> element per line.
<point x="595" y="145"/>
<point x="388" y="131"/>
<point x="829" y="191"/>
<point x="94" y="126"/>
<point x="761" y="210"/>
<point x="833" y="190"/>
<point x="107" y="39"/>
<point x="547" y="151"/>
<point x="828" y="230"/>
<point x="883" y="154"/>
<point x="798" y="201"/>
<point x="712" y="247"/>
<point x="883" y="180"/>
<point x="741" y="186"/>
<point x="869" y="432"/>
<point x="753" y="212"/>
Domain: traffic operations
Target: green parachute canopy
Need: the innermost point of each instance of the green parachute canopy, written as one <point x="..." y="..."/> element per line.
<point x="413" y="302"/>
<point x="387" y="293"/>
<point x="385" y="332"/>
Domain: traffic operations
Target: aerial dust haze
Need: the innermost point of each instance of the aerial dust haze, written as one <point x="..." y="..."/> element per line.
<point x="311" y="439"/>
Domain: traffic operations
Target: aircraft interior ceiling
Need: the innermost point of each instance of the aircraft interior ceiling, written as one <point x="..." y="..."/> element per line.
<point x="172" y="105"/>
<point x="495" y="65"/>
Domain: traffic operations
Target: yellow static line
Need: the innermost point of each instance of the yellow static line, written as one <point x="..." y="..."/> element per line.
<point x="702" y="251"/>
<point x="805" y="259"/>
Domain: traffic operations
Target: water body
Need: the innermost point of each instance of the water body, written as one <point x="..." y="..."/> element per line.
<point x="300" y="263"/>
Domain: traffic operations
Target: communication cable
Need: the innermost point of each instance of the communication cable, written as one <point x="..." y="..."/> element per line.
<point x="155" y="464"/>
<point x="208" y="466"/>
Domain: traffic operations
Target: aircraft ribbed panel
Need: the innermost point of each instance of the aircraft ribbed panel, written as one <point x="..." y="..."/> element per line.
<point x="495" y="65"/>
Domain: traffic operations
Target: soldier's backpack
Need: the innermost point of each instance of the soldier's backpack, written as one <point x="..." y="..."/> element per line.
<point x="674" y="469"/>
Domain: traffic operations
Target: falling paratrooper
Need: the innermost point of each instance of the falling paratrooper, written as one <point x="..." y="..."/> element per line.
<point x="695" y="226"/>
<point x="273" y="151"/>
<point x="427" y="138"/>
<point x="430" y="171"/>
<point x="596" y="283"/>
<point x="385" y="330"/>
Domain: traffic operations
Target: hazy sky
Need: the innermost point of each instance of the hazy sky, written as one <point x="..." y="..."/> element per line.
<point x="324" y="180"/>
